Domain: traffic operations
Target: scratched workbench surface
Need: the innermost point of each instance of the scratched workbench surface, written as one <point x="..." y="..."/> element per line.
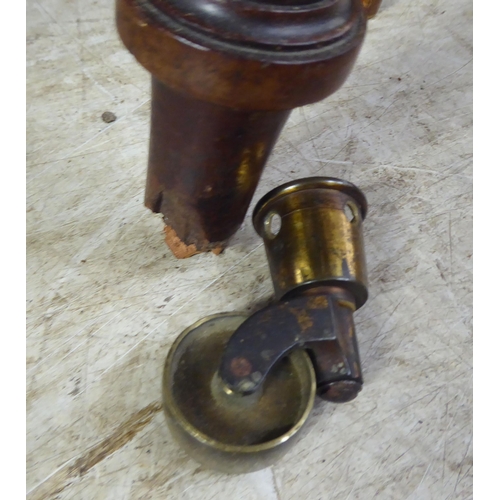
<point x="106" y="298"/>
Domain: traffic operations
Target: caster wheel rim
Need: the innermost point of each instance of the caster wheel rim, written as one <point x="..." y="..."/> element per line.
<point x="223" y="430"/>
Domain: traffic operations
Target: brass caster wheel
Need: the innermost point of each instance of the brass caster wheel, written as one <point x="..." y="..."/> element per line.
<point x="223" y="429"/>
<point x="237" y="390"/>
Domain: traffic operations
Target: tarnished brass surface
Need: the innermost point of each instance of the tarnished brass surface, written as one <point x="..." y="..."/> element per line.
<point x="320" y="238"/>
<point x="320" y="323"/>
<point x="224" y="430"/>
<point x="312" y="231"/>
<point x="237" y="390"/>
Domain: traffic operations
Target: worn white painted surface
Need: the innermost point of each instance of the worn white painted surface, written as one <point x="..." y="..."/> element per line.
<point x="106" y="299"/>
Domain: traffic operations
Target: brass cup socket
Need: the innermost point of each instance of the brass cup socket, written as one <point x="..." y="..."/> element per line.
<point x="312" y="232"/>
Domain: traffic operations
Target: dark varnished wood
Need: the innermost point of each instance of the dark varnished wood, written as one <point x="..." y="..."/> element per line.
<point x="205" y="161"/>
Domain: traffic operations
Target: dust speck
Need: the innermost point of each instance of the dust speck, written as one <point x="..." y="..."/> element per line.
<point x="108" y="117"/>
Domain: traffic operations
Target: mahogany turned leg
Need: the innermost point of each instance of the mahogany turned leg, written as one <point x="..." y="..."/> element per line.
<point x="225" y="77"/>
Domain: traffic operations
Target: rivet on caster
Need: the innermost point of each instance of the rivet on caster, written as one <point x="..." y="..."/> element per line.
<point x="237" y="390"/>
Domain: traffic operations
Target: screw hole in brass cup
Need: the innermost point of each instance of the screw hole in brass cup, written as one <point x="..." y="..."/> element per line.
<point x="272" y="225"/>
<point x="351" y="212"/>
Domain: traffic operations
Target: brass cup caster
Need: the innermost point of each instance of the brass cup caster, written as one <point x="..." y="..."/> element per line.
<point x="225" y="430"/>
<point x="237" y="390"/>
<point x="312" y="232"/>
